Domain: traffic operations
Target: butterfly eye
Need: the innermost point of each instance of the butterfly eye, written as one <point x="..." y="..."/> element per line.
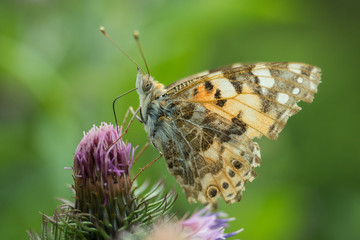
<point x="147" y="86"/>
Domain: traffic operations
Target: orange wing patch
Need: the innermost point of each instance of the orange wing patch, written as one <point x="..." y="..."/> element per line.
<point x="220" y="96"/>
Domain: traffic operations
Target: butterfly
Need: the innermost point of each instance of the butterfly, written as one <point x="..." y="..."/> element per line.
<point x="205" y="124"/>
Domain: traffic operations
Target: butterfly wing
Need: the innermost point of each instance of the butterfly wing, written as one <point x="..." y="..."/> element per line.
<point x="215" y="115"/>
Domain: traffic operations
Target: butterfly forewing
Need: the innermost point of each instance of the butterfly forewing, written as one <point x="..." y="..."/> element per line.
<point x="264" y="95"/>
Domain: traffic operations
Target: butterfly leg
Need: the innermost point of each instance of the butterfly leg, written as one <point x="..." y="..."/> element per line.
<point x="133" y="112"/>
<point x="125" y="118"/>
<point x="127" y="127"/>
<point x="157" y="148"/>
<point x="141" y="151"/>
<point x="131" y="120"/>
<point x="148" y="165"/>
<point x="130" y="109"/>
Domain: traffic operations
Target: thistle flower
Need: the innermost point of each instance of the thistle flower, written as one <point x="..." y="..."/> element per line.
<point x="101" y="168"/>
<point x="103" y="185"/>
<point x="107" y="202"/>
<point x="101" y="174"/>
<point x="202" y="225"/>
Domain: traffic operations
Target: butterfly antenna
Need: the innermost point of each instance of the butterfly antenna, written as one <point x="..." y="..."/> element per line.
<point x="102" y="30"/>
<point x="136" y="35"/>
<point x="115" y="102"/>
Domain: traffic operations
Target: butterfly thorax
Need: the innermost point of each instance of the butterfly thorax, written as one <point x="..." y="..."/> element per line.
<point x="153" y="110"/>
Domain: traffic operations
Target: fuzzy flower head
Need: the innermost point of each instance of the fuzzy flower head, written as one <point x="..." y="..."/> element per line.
<point x="101" y="178"/>
<point x="107" y="203"/>
<point x="202" y="225"/>
<point x="101" y="155"/>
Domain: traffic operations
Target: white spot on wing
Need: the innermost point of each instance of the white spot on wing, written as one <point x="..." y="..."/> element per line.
<point x="225" y="86"/>
<point x="201" y="74"/>
<point x="257" y="151"/>
<point x="266" y="82"/>
<point x="282" y="98"/>
<point x="264" y="91"/>
<point x="313" y="74"/>
<point x="295" y="90"/>
<point x="260" y="66"/>
<point x="236" y="65"/>
<point x="294" y="68"/>
<point x="312" y="86"/>
<point x="300" y="80"/>
<point x="261" y="72"/>
<point x="285" y="115"/>
<point x="264" y="76"/>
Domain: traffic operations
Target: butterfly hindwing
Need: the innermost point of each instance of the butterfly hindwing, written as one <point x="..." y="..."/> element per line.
<point x="209" y="155"/>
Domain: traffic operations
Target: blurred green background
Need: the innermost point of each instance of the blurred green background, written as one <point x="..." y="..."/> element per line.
<point x="59" y="75"/>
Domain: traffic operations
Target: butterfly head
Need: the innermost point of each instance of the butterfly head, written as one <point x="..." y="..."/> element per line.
<point x="149" y="92"/>
<point x="144" y="83"/>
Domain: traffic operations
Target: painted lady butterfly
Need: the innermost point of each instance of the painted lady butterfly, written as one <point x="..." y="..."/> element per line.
<point x="205" y="123"/>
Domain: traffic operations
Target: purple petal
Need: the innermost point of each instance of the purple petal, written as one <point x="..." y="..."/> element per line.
<point x="206" y="225"/>
<point x="101" y="155"/>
